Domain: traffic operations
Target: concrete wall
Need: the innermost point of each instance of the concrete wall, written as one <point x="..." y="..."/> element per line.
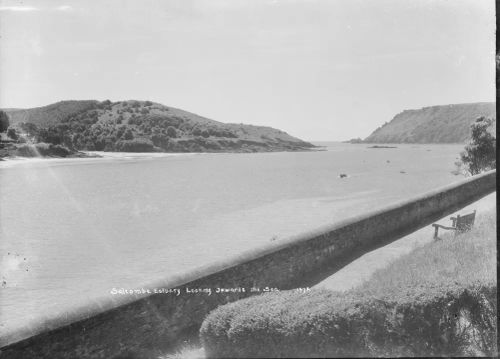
<point x="144" y="326"/>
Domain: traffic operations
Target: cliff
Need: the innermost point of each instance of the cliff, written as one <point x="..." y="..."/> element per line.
<point x="436" y="124"/>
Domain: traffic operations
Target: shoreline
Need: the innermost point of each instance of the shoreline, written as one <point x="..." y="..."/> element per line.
<point x="10" y="161"/>
<point x="320" y="146"/>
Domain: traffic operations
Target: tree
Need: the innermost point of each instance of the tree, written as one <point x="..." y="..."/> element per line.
<point x="4" y="121"/>
<point x="171" y="132"/>
<point x="160" y="140"/>
<point x="205" y="133"/>
<point x="11" y="132"/>
<point x="29" y="128"/>
<point x="128" y="134"/>
<point x="50" y="135"/>
<point x="120" y="131"/>
<point x="480" y="154"/>
<point x="136" y="145"/>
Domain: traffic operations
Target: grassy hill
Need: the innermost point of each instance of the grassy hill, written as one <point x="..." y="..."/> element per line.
<point x="51" y="114"/>
<point x="436" y="124"/>
<point x="143" y="126"/>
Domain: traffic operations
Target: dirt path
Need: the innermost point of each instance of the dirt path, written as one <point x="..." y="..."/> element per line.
<point x="362" y="268"/>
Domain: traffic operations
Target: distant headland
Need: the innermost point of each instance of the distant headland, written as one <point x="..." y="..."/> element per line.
<point x="435" y="124"/>
<point x="67" y="127"/>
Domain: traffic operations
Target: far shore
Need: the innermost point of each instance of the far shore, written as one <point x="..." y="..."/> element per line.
<point x="87" y="156"/>
<point x="9" y="160"/>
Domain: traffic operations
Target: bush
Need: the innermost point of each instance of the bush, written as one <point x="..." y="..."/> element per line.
<point x="196" y="132"/>
<point x="50" y="135"/>
<point x="160" y="140"/>
<point x="137" y="145"/>
<point x="480" y="153"/>
<point x="11" y="132"/>
<point x="120" y="131"/>
<point x="128" y="135"/>
<point x="171" y="132"/>
<point x="29" y="128"/>
<point x="106" y="104"/>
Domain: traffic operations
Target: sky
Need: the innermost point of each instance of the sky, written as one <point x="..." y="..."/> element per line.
<point x="318" y="69"/>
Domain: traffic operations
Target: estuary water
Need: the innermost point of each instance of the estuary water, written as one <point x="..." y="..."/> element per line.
<point x="71" y="230"/>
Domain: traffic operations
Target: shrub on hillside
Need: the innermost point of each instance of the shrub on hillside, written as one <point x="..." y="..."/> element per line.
<point x="128" y="135"/>
<point x="207" y="143"/>
<point x="171" y="132"/>
<point x="145" y="128"/>
<point x="120" y="131"/>
<point x="134" y="120"/>
<point x="160" y="140"/>
<point x="104" y="105"/>
<point x="29" y="128"/>
<point x="12" y="133"/>
<point x="136" y="145"/>
<point x="480" y="154"/>
<point x="229" y="134"/>
<point x="205" y="133"/>
<point x="51" y="134"/>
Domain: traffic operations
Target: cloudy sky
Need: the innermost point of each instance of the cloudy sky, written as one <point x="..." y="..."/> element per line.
<point x="318" y="69"/>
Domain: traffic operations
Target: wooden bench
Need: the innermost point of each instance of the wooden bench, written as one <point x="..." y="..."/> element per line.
<point x="459" y="224"/>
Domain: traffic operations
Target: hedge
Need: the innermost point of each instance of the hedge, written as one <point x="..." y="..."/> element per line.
<point x="452" y="322"/>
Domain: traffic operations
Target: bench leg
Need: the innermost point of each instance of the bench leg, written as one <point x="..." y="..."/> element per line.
<point x="436" y="232"/>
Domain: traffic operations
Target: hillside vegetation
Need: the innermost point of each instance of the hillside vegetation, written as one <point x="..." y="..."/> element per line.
<point x="436" y="124"/>
<point x="439" y="300"/>
<point x="143" y="126"/>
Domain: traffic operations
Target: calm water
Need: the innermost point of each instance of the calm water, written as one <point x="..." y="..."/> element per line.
<point x="71" y="230"/>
